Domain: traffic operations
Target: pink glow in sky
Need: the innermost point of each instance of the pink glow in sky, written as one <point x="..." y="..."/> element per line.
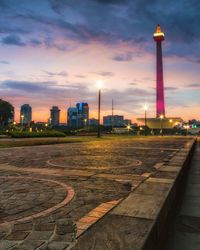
<point x="53" y="52"/>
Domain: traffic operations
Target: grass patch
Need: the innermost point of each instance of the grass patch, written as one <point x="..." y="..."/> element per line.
<point x="22" y="142"/>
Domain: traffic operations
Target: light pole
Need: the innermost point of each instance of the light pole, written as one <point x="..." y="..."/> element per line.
<point x="128" y="127"/>
<point x="99" y="85"/>
<point x="187" y="127"/>
<point x="161" y="124"/>
<point x="22" y="120"/>
<point x="85" y="122"/>
<point x="145" y="119"/>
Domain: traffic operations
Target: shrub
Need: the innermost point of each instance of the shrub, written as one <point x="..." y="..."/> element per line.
<point x="27" y="134"/>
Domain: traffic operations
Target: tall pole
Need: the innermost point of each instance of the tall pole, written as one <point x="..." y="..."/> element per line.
<point x="145" y="119"/>
<point x="112" y="114"/>
<point x="145" y="122"/>
<point x="99" y="113"/>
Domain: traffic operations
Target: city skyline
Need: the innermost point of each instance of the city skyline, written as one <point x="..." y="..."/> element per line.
<point x="53" y="52"/>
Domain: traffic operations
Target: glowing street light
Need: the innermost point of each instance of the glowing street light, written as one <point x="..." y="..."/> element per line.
<point x="161" y="124"/>
<point x="145" y="118"/>
<point x="22" y="120"/>
<point x="99" y="85"/>
<point x="128" y="127"/>
<point x="85" y="121"/>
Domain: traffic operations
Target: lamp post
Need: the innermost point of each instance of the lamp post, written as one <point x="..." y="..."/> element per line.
<point x="145" y="119"/>
<point x="99" y="85"/>
<point x="128" y="127"/>
<point x="22" y="120"/>
<point x="85" y="122"/>
<point x="161" y="124"/>
<point x="187" y="127"/>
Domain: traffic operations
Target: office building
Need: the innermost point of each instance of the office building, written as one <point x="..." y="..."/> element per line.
<point x="55" y="116"/>
<point x="72" y="117"/>
<point x="115" y="120"/>
<point x="83" y="114"/>
<point x="25" y="114"/>
<point x="93" y="122"/>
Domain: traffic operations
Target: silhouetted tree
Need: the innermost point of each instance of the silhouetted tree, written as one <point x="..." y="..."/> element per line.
<point x="6" y="113"/>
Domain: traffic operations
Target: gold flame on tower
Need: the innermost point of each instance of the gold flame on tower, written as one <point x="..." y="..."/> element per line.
<point x="158" y="32"/>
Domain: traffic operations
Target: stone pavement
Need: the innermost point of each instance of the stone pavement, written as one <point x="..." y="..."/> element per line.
<point x="52" y="197"/>
<point x="185" y="232"/>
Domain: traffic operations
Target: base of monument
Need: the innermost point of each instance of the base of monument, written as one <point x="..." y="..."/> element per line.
<point x="158" y="123"/>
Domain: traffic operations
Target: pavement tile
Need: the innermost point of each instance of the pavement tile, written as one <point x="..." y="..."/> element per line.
<point x="140" y="206"/>
<point x="160" y="180"/>
<point x="170" y="169"/>
<point x="17" y="235"/>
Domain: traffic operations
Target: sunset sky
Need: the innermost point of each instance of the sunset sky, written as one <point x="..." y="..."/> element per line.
<point x="53" y="51"/>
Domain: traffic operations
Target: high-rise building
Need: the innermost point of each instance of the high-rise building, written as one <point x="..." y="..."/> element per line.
<point x="160" y="102"/>
<point x="55" y="116"/>
<point x="26" y="114"/>
<point x="83" y="114"/>
<point x="113" y="120"/>
<point x="72" y="117"/>
<point x="6" y="113"/>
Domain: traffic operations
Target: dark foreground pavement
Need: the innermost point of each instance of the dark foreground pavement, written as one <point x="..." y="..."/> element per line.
<point x="92" y="195"/>
<point x="185" y="233"/>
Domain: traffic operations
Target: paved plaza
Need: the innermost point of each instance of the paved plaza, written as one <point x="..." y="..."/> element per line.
<point x="50" y="196"/>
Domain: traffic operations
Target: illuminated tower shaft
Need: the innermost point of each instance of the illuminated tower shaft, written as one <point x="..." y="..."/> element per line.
<point x="160" y="102"/>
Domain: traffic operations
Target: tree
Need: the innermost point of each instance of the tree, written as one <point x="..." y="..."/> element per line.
<point x="6" y="113"/>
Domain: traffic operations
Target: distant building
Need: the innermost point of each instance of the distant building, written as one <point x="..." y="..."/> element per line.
<point x="72" y="117"/>
<point x="25" y="114"/>
<point x="6" y="113"/>
<point x="115" y="120"/>
<point x="127" y="122"/>
<point x="83" y="114"/>
<point x="55" y="116"/>
<point x="93" y="122"/>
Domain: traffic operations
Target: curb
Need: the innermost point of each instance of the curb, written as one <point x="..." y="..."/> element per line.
<point x="157" y="235"/>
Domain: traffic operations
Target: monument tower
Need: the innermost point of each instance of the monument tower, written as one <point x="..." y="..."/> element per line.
<point x="160" y="121"/>
<point x="160" y="102"/>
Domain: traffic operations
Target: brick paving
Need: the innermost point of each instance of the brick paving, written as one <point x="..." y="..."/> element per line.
<point x="49" y="195"/>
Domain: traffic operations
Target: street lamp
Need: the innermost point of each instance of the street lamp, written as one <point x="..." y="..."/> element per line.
<point x="161" y="124"/>
<point x="99" y="85"/>
<point x="145" y="119"/>
<point x="187" y="127"/>
<point x="85" y="122"/>
<point x="128" y="127"/>
<point x="22" y="120"/>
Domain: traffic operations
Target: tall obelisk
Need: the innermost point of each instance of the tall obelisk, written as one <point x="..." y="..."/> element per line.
<point x="160" y="102"/>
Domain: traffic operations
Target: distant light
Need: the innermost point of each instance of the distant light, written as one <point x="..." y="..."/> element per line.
<point x="145" y="107"/>
<point x="128" y="127"/>
<point x="170" y="121"/>
<point x="161" y="116"/>
<point x="99" y="84"/>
